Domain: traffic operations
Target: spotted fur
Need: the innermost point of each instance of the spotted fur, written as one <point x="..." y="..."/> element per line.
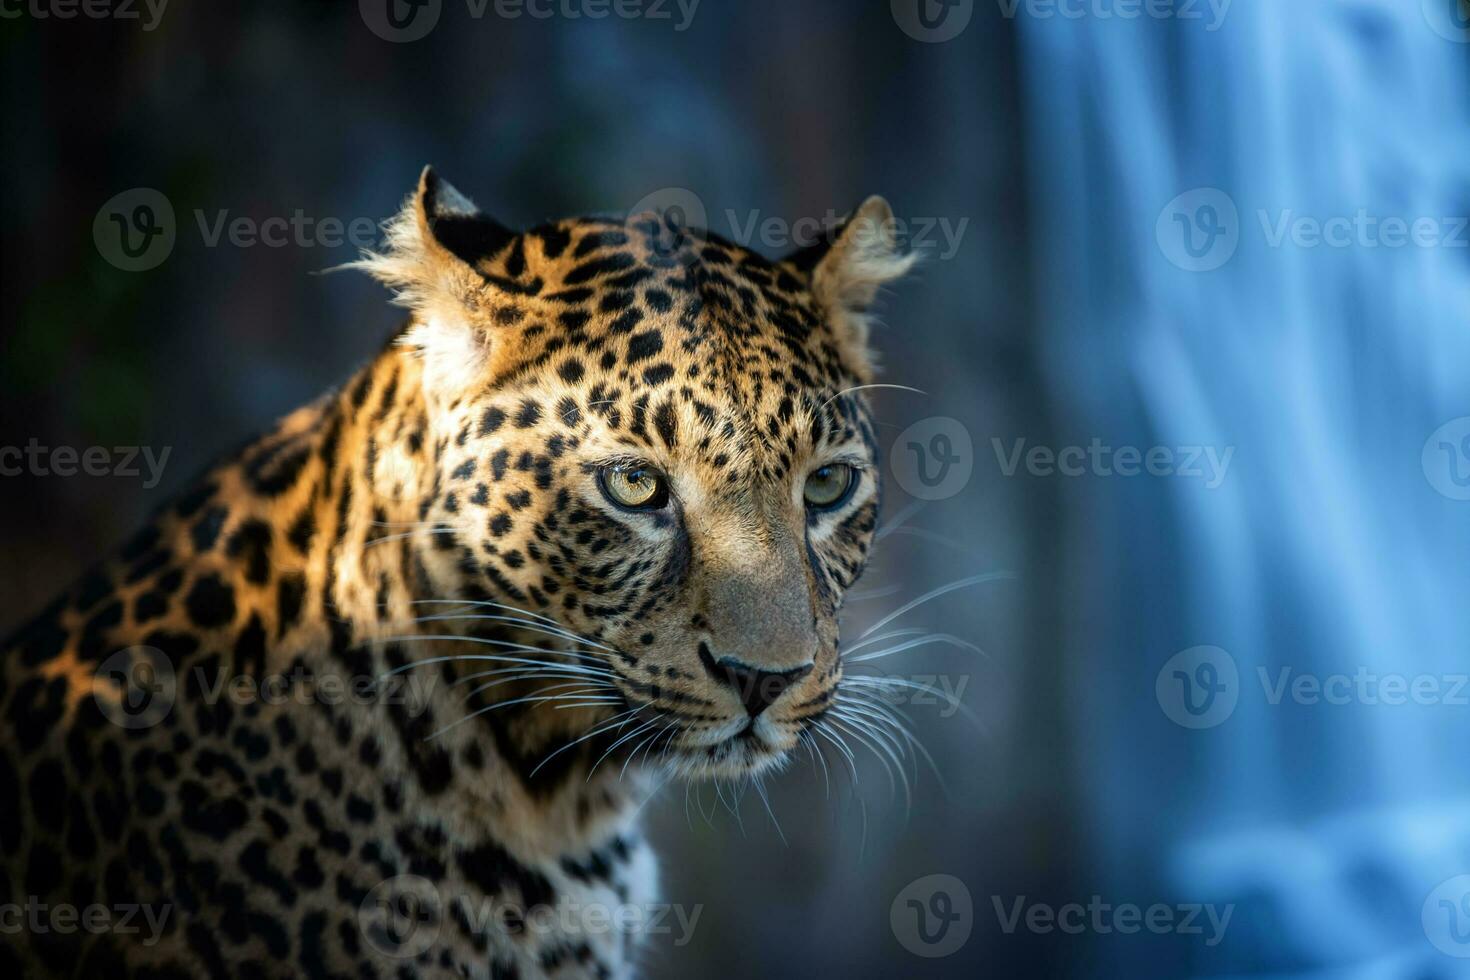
<point x="446" y="502"/>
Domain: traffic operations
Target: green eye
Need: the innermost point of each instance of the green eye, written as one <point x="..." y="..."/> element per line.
<point x="827" y="487"/>
<point x="634" y="487"/>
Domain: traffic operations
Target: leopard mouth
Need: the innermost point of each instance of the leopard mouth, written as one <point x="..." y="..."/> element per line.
<point x="747" y="751"/>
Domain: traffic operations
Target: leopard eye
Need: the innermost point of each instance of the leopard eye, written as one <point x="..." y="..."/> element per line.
<point x="634" y="487"/>
<point x="828" y="486"/>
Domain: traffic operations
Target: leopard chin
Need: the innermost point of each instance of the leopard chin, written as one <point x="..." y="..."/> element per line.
<point x="742" y="748"/>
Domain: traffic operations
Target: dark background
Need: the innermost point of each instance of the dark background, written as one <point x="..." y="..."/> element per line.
<point x="1044" y="138"/>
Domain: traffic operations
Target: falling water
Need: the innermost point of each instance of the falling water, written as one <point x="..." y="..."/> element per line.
<point x="1331" y="547"/>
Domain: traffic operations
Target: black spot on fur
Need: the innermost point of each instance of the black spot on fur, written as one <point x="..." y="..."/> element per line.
<point x="494" y="869"/>
<point x="529" y="414"/>
<point x="211" y="602"/>
<point x="658" y="374"/>
<point x="251" y="543"/>
<point x="644" y="345"/>
<point x="491" y="421"/>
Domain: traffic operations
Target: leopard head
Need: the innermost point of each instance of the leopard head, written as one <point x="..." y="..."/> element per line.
<point x="653" y="444"/>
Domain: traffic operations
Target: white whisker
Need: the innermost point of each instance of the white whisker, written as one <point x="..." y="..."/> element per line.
<point x="580" y="702"/>
<point x="880" y="638"/>
<point x="870" y="387"/>
<point x="936" y="593"/>
<point x="899" y="519"/>
<point x="610" y="724"/>
<point x="945" y="638"/>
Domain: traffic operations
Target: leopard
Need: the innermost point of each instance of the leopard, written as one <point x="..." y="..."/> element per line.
<point x="384" y="692"/>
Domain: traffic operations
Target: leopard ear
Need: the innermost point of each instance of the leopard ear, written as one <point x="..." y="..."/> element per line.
<point x="449" y="222"/>
<point x="431" y="260"/>
<point x="848" y="268"/>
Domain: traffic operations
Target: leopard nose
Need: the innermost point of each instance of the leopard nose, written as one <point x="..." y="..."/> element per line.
<point x="757" y="689"/>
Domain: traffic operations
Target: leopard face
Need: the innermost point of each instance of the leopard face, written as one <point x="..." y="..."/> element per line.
<point x="653" y="444"/>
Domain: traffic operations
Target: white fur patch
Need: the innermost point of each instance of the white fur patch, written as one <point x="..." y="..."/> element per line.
<point x="452" y="352"/>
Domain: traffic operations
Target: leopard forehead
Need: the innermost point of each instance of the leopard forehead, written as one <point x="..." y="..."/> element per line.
<point x="653" y="304"/>
<point x="659" y="342"/>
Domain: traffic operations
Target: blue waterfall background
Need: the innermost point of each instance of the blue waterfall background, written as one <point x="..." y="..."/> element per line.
<point x="1327" y="549"/>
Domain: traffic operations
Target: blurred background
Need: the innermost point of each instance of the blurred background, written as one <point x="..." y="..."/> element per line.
<point x="1193" y="332"/>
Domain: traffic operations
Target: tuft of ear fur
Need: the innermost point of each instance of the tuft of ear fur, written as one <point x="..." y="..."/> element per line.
<point x="429" y="258"/>
<point x="847" y="274"/>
